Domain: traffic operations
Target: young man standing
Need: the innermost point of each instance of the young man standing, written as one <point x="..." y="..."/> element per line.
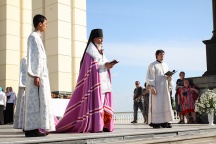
<point x="160" y="110"/>
<point x="38" y="110"/>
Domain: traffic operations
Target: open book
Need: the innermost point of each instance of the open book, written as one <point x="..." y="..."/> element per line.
<point x="170" y="73"/>
<point x="114" y="61"/>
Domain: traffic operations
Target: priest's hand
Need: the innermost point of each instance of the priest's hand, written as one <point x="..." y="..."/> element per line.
<point x="109" y="65"/>
<point x="153" y="91"/>
<point x="37" y="81"/>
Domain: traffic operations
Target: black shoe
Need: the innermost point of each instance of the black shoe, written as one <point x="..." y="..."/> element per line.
<point x="169" y="125"/>
<point x="134" y="122"/>
<point x="156" y="127"/>
<point x="166" y="125"/>
<point x="34" y="133"/>
<point x="46" y="133"/>
<point x="105" y="130"/>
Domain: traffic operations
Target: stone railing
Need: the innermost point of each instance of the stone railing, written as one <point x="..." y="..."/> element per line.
<point x="128" y="116"/>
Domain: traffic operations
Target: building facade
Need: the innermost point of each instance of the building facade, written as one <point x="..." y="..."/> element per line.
<point x="64" y="40"/>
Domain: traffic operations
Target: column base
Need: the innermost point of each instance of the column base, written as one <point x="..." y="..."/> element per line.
<point x="61" y="94"/>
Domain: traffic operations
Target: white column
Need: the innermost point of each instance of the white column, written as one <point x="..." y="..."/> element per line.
<point x="79" y="39"/>
<point x="38" y="7"/>
<point x="58" y="43"/>
<point x="26" y="25"/>
<point x="9" y="43"/>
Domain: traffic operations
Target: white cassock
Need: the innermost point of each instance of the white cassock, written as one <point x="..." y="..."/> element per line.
<point x="18" y="116"/>
<point x="160" y="110"/>
<point x="104" y="76"/>
<point x="38" y="107"/>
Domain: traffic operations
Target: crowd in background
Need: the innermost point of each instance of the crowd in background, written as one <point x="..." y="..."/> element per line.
<point x="7" y="105"/>
<point x="185" y="97"/>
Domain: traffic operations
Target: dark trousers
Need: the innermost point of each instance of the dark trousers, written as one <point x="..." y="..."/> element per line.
<point x="9" y="113"/>
<point x="1" y="114"/>
<point x="135" y="107"/>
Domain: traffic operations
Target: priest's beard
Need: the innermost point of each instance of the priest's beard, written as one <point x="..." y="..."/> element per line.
<point x="99" y="46"/>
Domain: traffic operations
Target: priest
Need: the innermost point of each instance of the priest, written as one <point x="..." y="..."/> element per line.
<point x="91" y="109"/>
<point x="160" y="110"/>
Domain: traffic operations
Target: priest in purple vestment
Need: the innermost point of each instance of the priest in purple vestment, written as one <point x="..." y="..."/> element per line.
<point x="91" y="109"/>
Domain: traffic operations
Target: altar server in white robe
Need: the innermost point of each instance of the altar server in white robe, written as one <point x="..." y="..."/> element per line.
<point x="38" y="109"/>
<point x="160" y="110"/>
<point x="18" y="116"/>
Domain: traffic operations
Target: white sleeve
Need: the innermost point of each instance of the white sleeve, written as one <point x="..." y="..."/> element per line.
<point x="150" y="77"/>
<point x="34" y="57"/>
<point x="101" y="61"/>
<point x="22" y="79"/>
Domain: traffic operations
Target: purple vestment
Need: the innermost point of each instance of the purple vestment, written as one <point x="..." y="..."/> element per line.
<point x="85" y="112"/>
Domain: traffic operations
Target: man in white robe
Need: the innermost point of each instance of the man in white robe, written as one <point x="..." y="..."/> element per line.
<point x="38" y="109"/>
<point x="18" y="116"/>
<point x="160" y="110"/>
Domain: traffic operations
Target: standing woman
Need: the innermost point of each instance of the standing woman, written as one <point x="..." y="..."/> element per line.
<point x="186" y="100"/>
<point x="11" y="105"/>
<point x="2" y="106"/>
<point x="8" y="95"/>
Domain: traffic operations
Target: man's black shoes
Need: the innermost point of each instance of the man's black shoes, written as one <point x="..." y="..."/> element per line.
<point x="166" y="125"/>
<point x="156" y="127"/>
<point x="134" y="122"/>
<point x="34" y="133"/>
<point x="162" y="125"/>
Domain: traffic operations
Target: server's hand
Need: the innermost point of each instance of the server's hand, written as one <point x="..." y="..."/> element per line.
<point x="37" y="81"/>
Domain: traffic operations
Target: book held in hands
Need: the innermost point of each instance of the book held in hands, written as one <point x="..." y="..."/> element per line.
<point x="170" y="73"/>
<point x="114" y="61"/>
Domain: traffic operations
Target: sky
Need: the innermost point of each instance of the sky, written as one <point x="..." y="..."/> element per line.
<point x="133" y="31"/>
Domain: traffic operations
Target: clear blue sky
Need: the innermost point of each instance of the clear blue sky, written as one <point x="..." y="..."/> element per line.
<point x="135" y="29"/>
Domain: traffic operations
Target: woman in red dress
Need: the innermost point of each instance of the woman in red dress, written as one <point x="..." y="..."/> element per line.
<point x="186" y="98"/>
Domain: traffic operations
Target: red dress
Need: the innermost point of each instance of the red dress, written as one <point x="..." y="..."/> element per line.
<point x="187" y="99"/>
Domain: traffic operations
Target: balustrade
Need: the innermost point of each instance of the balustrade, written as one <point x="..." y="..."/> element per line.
<point x="128" y="116"/>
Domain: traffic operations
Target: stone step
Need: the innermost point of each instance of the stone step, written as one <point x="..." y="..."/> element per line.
<point x="186" y="139"/>
<point x="126" y="133"/>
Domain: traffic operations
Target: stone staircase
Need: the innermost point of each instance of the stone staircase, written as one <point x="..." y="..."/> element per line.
<point x="126" y="133"/>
